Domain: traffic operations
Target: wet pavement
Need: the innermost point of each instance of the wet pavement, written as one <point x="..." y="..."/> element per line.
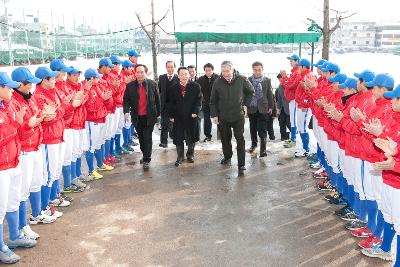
<point x="200" y="214"/>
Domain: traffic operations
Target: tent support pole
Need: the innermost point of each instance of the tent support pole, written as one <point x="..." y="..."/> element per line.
<point x="182" y="55"/>
<point x="195" y="48"/>
<point x="299" y="49"/>
<point x="312" y="54"/>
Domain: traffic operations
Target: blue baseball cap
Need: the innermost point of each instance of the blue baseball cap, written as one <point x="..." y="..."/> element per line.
<point x="45" y="73"/>
<point x="319" y="63"/>
<point x="393" y="94"/>
<point x="294" y="57"/>
<point x="383" y="80"/>
<point x="22" y="74"/>
<point x="366" y="75"/>
<point x="105" y="61"/>
<point x="92" y="73"/>
<point x="115" y="59"/>
<point x="58" y="65"/>
<point x="349" y="83"/>
<point x="133" y="53"/>
<point x="73" y="70"/>
<point x="6" y="80"/>
<point x="338" y="78"/>
<point x="127" y="63"/>
<point x="331" y="67"/>
<point x="304" y="63"/>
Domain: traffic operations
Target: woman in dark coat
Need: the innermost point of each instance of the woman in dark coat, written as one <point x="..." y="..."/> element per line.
<point x="184" y="106"/>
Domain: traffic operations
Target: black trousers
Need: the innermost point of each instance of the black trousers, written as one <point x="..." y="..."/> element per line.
<point x="270" y="127"/>
<point x="207" y="121"/>
<point x="226" y="137"/>
<point x="284" y="123"/>
<point x="145" y="133"/>
<point x="166" y="127"/>
<point x="258" y="125"/>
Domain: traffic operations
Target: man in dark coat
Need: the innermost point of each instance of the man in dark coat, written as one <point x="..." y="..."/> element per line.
<point x="230" y="93"/>
<point x="142" y="101"/>
<point x="206" y="82"/>
<point x="183" y="108"/>
<point x="165" y="82"/>
<point x="260" y="108"/>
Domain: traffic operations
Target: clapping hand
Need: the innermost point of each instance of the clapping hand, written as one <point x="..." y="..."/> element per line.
<point x="374" y="127"/>
<point x="388" y="146"/>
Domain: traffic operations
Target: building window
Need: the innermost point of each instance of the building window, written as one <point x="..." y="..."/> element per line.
<point x="396" y="35"/>
<point x="387" y="43"/>
<point x="355" y="27"/>
<point x="388" y="36"/>
<point x="340" y="42"/>
<point x="333" y="42"/>
<point x="354" y="42"/>
<point x="354" y="34"/>
<point x="368" y="35"/>
<point x="367" y="42"/>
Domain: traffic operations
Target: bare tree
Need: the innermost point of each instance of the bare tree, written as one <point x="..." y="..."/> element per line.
<point x="152" y="35"/>
<point x="326" y="30"/>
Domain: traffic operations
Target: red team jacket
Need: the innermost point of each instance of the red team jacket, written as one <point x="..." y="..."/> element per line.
<point x="53" y="131"/>
<point x="79" y="115"/>
<point x="120" y="90"/>
<point x="63" y="91"/>
<point x="30" y="138"/>
<point x="96" y="110"/>
<point x="105" y="84"/>
<point x="301" y="95"/>
<point x="290" y="83"/>
<point x="10" y="147"/>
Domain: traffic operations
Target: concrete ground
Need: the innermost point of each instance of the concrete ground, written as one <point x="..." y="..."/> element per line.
<point x="199" y="214"/>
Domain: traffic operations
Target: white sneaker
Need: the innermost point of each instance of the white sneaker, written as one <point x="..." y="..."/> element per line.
<point x="301" y="154"/>
<point x="78" y="182"/>
<point x="59" y="202"/>
<point x="29" y="233"/>
<point x="52" y="212"/>
<point x="319" y="170"/>
<point x="42" y="218"/>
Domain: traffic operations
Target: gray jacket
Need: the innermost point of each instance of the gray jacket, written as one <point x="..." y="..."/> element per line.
<point x="267" y="100"/>
<point x="227" y="99"/>
<point x="281" y="102"/>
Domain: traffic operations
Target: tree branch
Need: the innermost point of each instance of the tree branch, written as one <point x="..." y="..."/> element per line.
<point x="338" y="20"/>
<point x="143" y="27"/>
<point x="164" y="30"/>
<point x="156" y="23"/>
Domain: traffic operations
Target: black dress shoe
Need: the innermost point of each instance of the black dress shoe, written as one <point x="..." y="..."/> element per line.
<point x="225" y="161"/>
<point x="146" y="165"/>
<point x="190" y="159"/>
<point x="263" y="154"/>
<point x="163" y="145"/>
<point x="242" y="168"/>
<point x="178" y="162"/>
<point x="207" y="139"/>
<point x="141" y="161"/>
<point x="252" y="148"/>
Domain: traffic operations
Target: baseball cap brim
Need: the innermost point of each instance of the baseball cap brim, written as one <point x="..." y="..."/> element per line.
<point x="12" y="84"/>
<point x="357" y="75"/>
<point x="370" y="84"/>
<point x="342" y="86"/>
<point x="74" y="71"/>
<point x="390" y="94"/>
<point x="34" y="80"/>
<point x="98" y="75"/>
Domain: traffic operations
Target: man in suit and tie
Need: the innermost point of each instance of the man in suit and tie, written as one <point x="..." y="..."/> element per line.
<point x="192" y="73"/>
<point x="165" y="82"/>
<point x="142" y="104"/>
<point x="183" y="107"/>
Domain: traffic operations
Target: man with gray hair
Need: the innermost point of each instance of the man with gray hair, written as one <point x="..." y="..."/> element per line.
<point x="231" y="92"/>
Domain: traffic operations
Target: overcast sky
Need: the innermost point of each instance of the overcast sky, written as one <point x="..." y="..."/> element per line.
<point x="277" y="12"/>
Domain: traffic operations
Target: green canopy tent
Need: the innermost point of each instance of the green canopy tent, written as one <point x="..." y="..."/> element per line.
<point x="247" y="38"/>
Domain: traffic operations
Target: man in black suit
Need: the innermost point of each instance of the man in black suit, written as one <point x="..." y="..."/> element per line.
<point x="183" y="107"/>
<point x="165" y="82"/>
<point x="142" y="101"/>
<point x="192" y="73"/>
<point x="206" y="82"/>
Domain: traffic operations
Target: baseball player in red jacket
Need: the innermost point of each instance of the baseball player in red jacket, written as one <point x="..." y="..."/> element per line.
<point x="47" y="97"/>
<point x="31" y="160"/>
<point x="10" y="172"/>
<point x="290" y="84"/>
<point x="388" y="141"/>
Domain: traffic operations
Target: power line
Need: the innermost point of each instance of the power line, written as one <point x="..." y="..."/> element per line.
<point x="71" y="35"/>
